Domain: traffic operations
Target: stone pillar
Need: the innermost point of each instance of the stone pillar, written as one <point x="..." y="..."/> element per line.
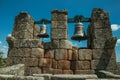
<point x="24" y="45"/>
<point x="102" y="42"/>
<point x="59" y="30"/>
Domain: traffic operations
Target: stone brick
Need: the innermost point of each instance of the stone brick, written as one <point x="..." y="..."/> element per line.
<point x="67" y="72"/>
<point x="55" y="44"/>
<point x="34" y="70"/>
<point x="45" y="62"/>
<point x="36" y="32"/>
<point x="19" y="52"/>
<point x="75" y="54"/>
<point x="27" y="43"/>
<point x="70" y="54"/>
<point x="54" y="64"/>
<point x="49" y="53"/>
<point x="104" y="64"/>
<point x="37" y="52"/>
<point x="56" y="71"/>
<point x="59" y="15"/>
<point x="103" y="53"/>
<point x="61" y="54"/>
<point x="31" y="62"/>
<point x="80" y="65"/>
<point x="59" y="34"/>
<point x="65" y="44"/>
<point x="46" y="70"/>
<point x="85" y="54"/>
<point x="64" y="64"/>
<point x="47" y="45"/>
<point x="59" y="24"/>
<point x="84" y="71"/>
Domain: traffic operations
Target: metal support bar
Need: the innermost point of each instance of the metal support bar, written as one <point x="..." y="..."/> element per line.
<point x="78" y="18"/>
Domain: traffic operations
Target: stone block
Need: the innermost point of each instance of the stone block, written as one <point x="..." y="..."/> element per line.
<point x="37" y="52"/>
<point x="65" y="44"/>
<point x="67" y="72"/>
<point x="19" y="52"/>
<point x="47" y="45"/>
<point x="59" y="34"/>
<point x="32" y="62"/>
<point x="64" y="64"/>
<point x="46" y="70"/>
<point x="49" y="53"/>
<point x="23" y="34"/>
<point x="59" y="24"/>
<point x="85" y="54"/>
<point x="29" y="43"/>
<point x="104" y="64"/>
<point x="84" y="71"/>
<point x="103" y="53"/>
<point x="75" y="53"/>
<point x="54" y="64"/>
<point x="36" y="32"/>
<point x="56" y="71"/>
<point x="45" y="62"/>
<point x="70" y="54"/>
<point x="59" y="15"/>
<point x="55" y="44"/>
<point x="34" y="70"/>
<point x="60" y="54"/>
<point x="80" y="65"/>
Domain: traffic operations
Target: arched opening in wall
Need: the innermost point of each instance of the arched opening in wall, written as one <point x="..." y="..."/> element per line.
<point x="82" y="43"/>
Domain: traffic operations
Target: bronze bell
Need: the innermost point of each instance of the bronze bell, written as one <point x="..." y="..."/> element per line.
<point x="79" y="33"/>
<point x="43" y="32"/>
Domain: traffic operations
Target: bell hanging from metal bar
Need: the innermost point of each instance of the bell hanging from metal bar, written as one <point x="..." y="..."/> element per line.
<point x="43" y="32"/>
<point x="79" y="33"/>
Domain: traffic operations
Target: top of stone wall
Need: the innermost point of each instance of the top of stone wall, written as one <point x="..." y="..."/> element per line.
<point x="60" y="11"/>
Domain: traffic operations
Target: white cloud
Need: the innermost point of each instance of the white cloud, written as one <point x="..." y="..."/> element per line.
<point x="9" y="35"/>
<point x="6" y="47"/>
<point x="118" y="42"/>
<point x="115" y="27"/>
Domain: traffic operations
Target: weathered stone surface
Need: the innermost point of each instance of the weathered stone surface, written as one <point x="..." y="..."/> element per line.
<point x="15" y="60"/>
<point x="19" y="52"/>
<point x="103" y="53"/>
<point x="17" y="70"/>
<point x="64" y="64"/>
<point x="59" y="24"/>
<point x="36" y="32"/>
<point x="49" y="53"/>
<point x="10" y="40"/>
<point x="106" y="74"/>
<point x="31" y="62"/>
<point x="56" y="71"/>
<point x="46" y="70"/>
<point x="59" y="34"/>
<point x="37" y="52"/>
<point x="84" y="71"/>
<point x="80" y="65"/>
<point x="75" y="53"/>
<point x="45" y="62"/>
<point x="67" y="72"/>
<point x="47" y="45"/>
<point x="58" y="15"/>
<point x="23" y="27"/>
<point x="104" y="64"/>
<point x="85" y="54"/>
<point x="61" y="54"/>
<point x="65" y="44"/>
<point x="55" y="44"/>
<point x="34" y="70"/>
<point x="70" y="54"/>
<point x="54" y="64"/>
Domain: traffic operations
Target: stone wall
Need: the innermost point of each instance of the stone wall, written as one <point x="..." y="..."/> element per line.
<point x="59" y="56"/>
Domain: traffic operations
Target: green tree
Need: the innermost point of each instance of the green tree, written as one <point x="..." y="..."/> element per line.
<point x="2" y="60"/>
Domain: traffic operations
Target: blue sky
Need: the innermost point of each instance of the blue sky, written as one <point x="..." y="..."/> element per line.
<point x="42" y="9"/>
